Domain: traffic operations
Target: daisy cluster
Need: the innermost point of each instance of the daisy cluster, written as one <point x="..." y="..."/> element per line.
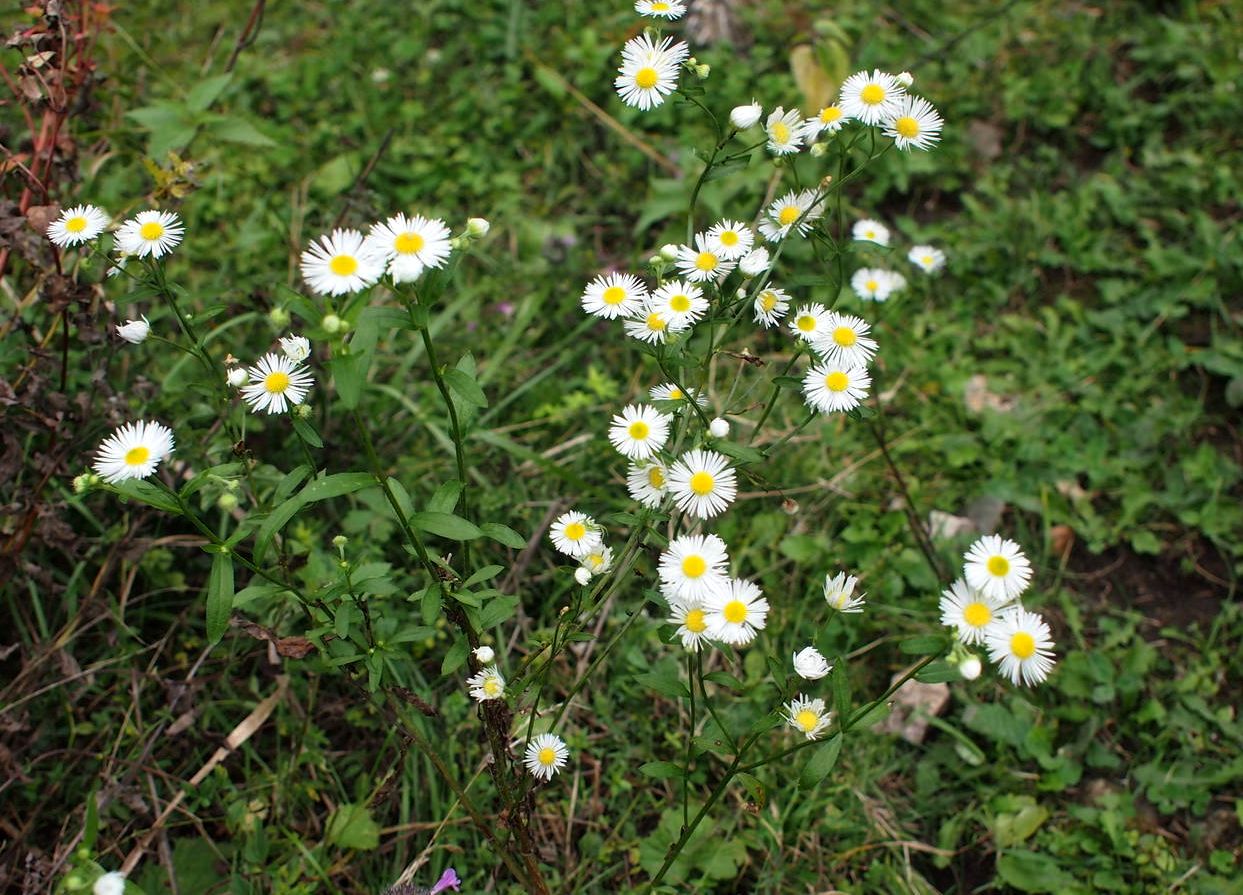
<point x="651" y="65"/>
<point x="878" y="283"/>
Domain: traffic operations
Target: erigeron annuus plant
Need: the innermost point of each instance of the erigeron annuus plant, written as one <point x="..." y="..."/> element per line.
<point x="686" y="448"/>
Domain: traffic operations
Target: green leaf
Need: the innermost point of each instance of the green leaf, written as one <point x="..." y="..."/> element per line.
<point x="754" y="787"/>
<point x="487" y="573"/>
<point x="725" y="679"/>
<point x="938" y="673"/>
<point x="498" y="611"/>
<point x="446" y="525"/>
<point x="429" y="605"/>
<point x="660" y="770"/>
<point x="1030" y="871"/>
<point x="219" y="596"/>
<point x="455" y="658"/>
<point x="203" y="476"/>
<point x="739" y="452"/>
<point x="352" y="826"/>
<point x="206" y="92"/>
<point x="349" y="372"/>
<point x="319" y="489"/>
<point x="787" y="382"/>
<point x="446" y="497"/>
<point x="503" y="534"/>
<point x="145" y="492"/>
<point x="664" y="682"/>
<point x="927" y="645"/>
<point x="307" y="433"/>
<point x="841" y="690"/>
<point x="823" y="759"/>
<point x="465" y="387"/>
<point x="239" y="130"/>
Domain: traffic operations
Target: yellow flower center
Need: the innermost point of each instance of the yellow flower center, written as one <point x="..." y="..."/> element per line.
<point x="694" y="566"/>
<point x="735" y="612"/>
<point x="927" y="260"/>
<point x="839" y="600"/>
<point x="780" y="132"/>
<point x="906" y="126"/>
<point x="806" y="323"/>
<point x="152" y="230"/>
<point x="829" y="114"/>
<point x="873" y="94"/>
<point x="789" y="215"/>
<point x="408" y="243"/>
<point x="646" y="78"/>
<point x="656" y="477"/>
<point x="706" y="261"/>
<point x="1022" y="645"/>
<point x="575" y="531"/>
<point x="655" y="322"/>
<point x="977" y="615"/>
<point x="680" y="303"/>
<point x="343" y="265"/>
<point x="845" y="336"/>
<point x="837" y="381"/>
<point x="276" y="382"/>
<point x="871" y="285"/>
<point x="729" y="238"/>
<point x="660" y="7"/>
<point x="807" y="720"/>
<point x="639" y="430"/>
<point x="136" y="456"/>
<point x="547" y="755"/>
<point x="694" y="621"/>
<point x="999" y="566"/>
<point x="491" y="687"/>
<point x="76" y="224"/>
<point x="768" y="300"/>
<point x="614" y="295"/>
<point x="596" y="560"/>
<point x="869" y="234"/>
<point x="675" y="394"/>
<point x="702" y="483"/>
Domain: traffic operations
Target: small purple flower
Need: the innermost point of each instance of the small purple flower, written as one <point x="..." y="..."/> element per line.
<point x="448" y="880"/>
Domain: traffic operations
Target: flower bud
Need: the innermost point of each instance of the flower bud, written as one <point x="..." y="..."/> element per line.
<point x="331" y="324"/>
<point x="296" y="348"/>
<point x="227" y="501"/>
<point x="656" y="261"/>
<point x="818" y="149"/>
<point x="743" y="117"/>
<point x="134" y="331"/>
<point x="82" y="483"/>
<point x="110" y="884"/>
<point x="810" y="665"/>
<point x="484" y="655"/>
<point x="478" y="227"/>
<point x="237" y="377"/>
<point x="669" y="251"/>
<point x="905" y="78"/>
<point x="755" y="262"/>
<point x="970" y="668"/>
<point x="279" y="317"/>
<point x="340" y="541"/>
<point x="719" y="428"/>
<point x="582" y="575"/>
<point x="302" y="411"/>
<point x="702" y="71"/>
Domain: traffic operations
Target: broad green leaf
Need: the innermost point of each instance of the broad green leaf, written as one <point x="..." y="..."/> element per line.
<point x="841" y="690"/>
<point x="1029" y="871"/>
<point x="455" y="658"/>
<point x="664" y="683"/>
<point x="487" y="573"/>
<point x="446" y="497"/>
<point x="739" y="452"/>
<point x="349" y="373"/>
<point x="319" y="489"/>
<point x="207" y="91"/>
<point x="429" y="604"/>
<point x="307" y="433"/>
<point x="927" y="645"/>
<point x="219" y="596"/>
<point x="352" y="826"/>
<point x="497" y="611"/>
<point x="660" y="770"/>
<point x="725" y="679"/>
<point x="823" y="758"/>
<point x="446" y="525"/>
<point x="503" y="534"/>
<point x="239" y="130"/>
<point x="145" y="492"/>
<point x="465" y="387"/>
<point x="938" y="673"/>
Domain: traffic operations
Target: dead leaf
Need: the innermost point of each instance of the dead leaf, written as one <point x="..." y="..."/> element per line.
<point x="812" y="80"/>
<point x="911" y="707"/>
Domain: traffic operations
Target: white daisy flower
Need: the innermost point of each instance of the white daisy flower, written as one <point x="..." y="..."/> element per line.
<point x="809" y="322"/>
<point x="793" y="211"/>
<point x="839" y="592"/>
<point x="598" y="561"/>
<point x="154" y="233"/>
<point x="133" y="451"/>
<point x="639" y="431"/>
<point x="833" y="389"/>
<point x="545" y="755"/>
<point x="743" y="117"/>
<point x="843" y="341"/>
<point x="649" y="325"/>
<point x="755" y="262"/>
<point x="691" y="619"/>
<point x="341" y="263"/>
<point x="77" y="225"/>
<point x="997" y="568"/>
<point x="135" y="331"/>
<point x="296" y="348"/>
<point x="871" y="98"/>
<point x="649" y="71"/>
<point x="872" y="283"/>
<point x="410" y="245"/>
<point x="681" y="302"/>
<point x="702" y="483"/>
<point x="276" y="383"/>
<point x="914" y="124"/>
<point x="487" y="684"/>
<point x="1019" y="641"/>
<point x="575" y="534"/>
<point x="868" y="230"/>
<point x="830" y="120"/>
<point x="693" y="567"/>
<point x="808" y="716"/>
<point x="731" y="239"/>
<point x="661" y="9"/>
<point x="614" y="295"/>
<point x="646" y="483"/>
<point x="785" y="131"/>
<point x="897" y="282"/>
<point x="926" y="258"/>
<point x="770" y="306"/>
<point x="736" y="612"/>
<point x="968" y="611"/>
<point x="702" y="263"/>
<point x="810" y="664"/>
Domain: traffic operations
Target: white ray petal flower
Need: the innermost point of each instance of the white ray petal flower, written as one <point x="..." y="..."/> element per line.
<point x="693" y="567"/>
<point x="771" y="305"/>
<point x="646" y="482"/>
<point x="691" y="619"/>
<point x="296" y="348"/>
<point x="1020" y="643"/>
<point x="829" y="120"/>
<point x="133" y="451"/>
<point x="702" y="264"/>
<point x="785" y="131"/>
<point x="681" y="302"/>
<point x="598" y="561"/>
<point x="839" y="592"/>
<point x="871" y="98"/>
<point x="487" y="684"/>
<point x="872" y="283"/>
<point x="843" y="341"/>
<point x="748" y="116"/>
<point x="135" y="331"/>
<point x="153" y="233"/>
<point x="639" y="431"/>
<point x="649" y="70"/>
<point x="730" y="239"/>
<point x="808" y="716"/>
<point x="660" y="9"/>
<point x="77" y="225"/>
<point x="546" y="755"/>
<point x="968" y="611"/>
<point x="410" y="245"/>
<point x="276" y="383"/>
<point x="795" y="211"/>
<point x="650" y="324"/>
<point x="614" y="295"/>
<point x="736" y="612"/>
<point x="341" y="263"/>
<point x="702" y="483"/>
<point x="668" y="391"/>
<point x="833" y="389"/>
<point x="914" y="124"/>
<point x="575" y="534"/>
<point x="809" y="321"/>
<point x="997" y="567"/>
<point x="926" y="258"/>
<point x="868" y="230"/>
<point x="810" y="664"/>
<point x="897" y="282"/>
<point x="755" y="262"/>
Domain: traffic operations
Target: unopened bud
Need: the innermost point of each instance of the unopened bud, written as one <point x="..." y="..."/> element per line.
<point x="789" y="506"/>
<point x="702" y="71"/>
<point x="484" y="655"/>
<point x="905" y="78"/>
<point x="478" y="227"/>
<point x="279" y="316"/>
<point x="970" y="668"/>
<point x="237" y="377"/>
<point x="582" y="575"/>
<point x="331" y="323"/>
<point x="719" y="428"/>
<point x="340" y="541"/>
<point x="669" y="251"/>
<point x="302" y="411"/>
<point x="818" y="149"/>
<point x="743" y="117"/>
<point x="227" y="501"/>
<point x="110" y="884"/>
